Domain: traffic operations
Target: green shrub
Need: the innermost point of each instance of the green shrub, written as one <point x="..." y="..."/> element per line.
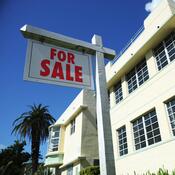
<point x="161" y="171"/>
<point x="95" y="170"/>
<point x="91" y="170"/>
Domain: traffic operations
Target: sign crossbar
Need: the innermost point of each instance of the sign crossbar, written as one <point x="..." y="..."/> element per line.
<point x="42" y="35"/>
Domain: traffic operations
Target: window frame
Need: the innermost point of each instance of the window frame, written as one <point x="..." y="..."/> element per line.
<point x="121" y="152"/>
<point x="145" y="133"/>
<point x="163" y="43"/>
<point x="168" y="116"/>
<point x="51" y="145"/>
<point x="70" y="170"/>
<point x="118" y="92"/>
<point x="135" y="71"/>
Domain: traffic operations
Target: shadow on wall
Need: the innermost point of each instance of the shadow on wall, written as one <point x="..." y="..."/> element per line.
<point x="91" y="118"/>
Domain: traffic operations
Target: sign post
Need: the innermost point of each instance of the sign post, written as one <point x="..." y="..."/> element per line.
<point x="103" y="117"/>
<point x="71" y="46"/>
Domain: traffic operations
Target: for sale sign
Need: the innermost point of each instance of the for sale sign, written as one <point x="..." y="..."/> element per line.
<point x="55" y="65"/>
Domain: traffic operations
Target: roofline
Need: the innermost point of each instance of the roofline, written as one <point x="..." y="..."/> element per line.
<point x="76" y="112"/>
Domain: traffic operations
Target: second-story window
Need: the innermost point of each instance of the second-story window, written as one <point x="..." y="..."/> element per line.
<point x="72" y="127"/>
<point x="118" y="92"/>
<point x="132" y="80"/>
<point x="137" y="76"/>
<point x="142" y="72"/>
<point x="54" y="138"/>
<point x="165" y="51"/>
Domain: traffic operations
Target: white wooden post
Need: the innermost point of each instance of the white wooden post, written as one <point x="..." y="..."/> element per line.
<point x="106" y="155"/>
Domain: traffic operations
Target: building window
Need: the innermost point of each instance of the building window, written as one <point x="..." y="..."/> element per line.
<point x="72" y="127"/>
<point x="118" y="92"/>
<point x="70" y="171"/>
<point x="54" y="135"/>
<point x="165" y="51"/>
<point x="77" y="171"/>
<point x="132" y="80"/>
<point x="171" y="113"/>
<point x="146" y="130"/>
<point x="122" y="141"/>
<point x="142" y="72"/>
<point x="137" y="76"/>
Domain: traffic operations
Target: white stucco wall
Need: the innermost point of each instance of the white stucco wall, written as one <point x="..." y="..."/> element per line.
<point x="72" y="142"/>
<point x="150" y="95"/>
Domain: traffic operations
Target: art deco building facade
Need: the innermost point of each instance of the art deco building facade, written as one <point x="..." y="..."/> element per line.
<point x="141" y="85"/>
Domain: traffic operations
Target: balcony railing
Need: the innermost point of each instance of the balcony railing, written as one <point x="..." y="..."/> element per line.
<point x="136" y="35"/>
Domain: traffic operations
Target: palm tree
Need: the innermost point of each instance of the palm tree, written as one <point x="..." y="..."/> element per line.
<point x="34" y="125"/>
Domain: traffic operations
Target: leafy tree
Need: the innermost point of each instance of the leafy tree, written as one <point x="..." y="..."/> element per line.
<point x="34" y="125"/>
<point x="12" y="159"/>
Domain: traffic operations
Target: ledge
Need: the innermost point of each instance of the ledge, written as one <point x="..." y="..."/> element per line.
<point x="54" y="160"/>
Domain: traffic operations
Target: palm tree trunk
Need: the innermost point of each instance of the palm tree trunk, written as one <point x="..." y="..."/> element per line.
<point x="35" y="150"/>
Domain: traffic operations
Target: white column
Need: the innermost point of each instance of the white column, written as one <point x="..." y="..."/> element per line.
<point x="163" y="121"/>
<point x="112" y="97"/>
<point x="106" y="155"/>
<point x="124" y="87"/>
<point x="151" y="64"/>
<point x="129" y="134"/>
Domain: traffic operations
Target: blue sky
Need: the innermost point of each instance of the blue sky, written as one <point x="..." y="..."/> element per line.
<point x="116" y="21"/>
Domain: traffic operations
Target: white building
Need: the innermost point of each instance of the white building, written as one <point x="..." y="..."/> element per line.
<point x="142" y="96"/>
<point x="141" y="84"/>
<point x="73" y="138"/>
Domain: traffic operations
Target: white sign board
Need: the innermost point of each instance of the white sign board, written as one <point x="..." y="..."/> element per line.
<point x="46" y="63"/>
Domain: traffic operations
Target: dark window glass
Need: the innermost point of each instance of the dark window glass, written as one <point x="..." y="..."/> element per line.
<point x="122" y="141"/>
<point x="146" y="130"/>
<point x="171" y="113"/>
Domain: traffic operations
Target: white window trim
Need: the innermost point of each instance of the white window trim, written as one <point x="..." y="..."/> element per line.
<point x="72" y="126"/>
<point x="50" y="148"/>
<point x="136" y="74"/>
<point x="145" y="132"/>
<point x="118" y="150"/>
<point x="166" y="53"/>
<point x="119" y="82"/>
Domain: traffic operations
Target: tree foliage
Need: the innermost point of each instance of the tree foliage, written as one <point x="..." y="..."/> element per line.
<point x="12" y="159"/>
<point x="91" y="170"/>
<point x="34" y="125"/>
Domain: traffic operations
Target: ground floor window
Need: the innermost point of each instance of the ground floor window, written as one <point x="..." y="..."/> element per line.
<point x="122" y="141"/>
<point x="70" y="171"/>
<point x="171" y="113"/>
<point x="146" y="130"/>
